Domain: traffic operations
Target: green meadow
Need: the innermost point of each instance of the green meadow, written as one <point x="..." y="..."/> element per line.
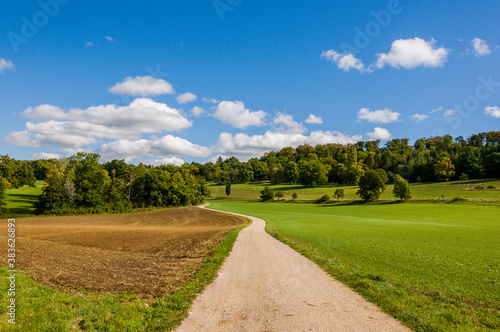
<point x="433" y="266"/>
<point x="420" y="191"/>
<point x="20" y="201"/>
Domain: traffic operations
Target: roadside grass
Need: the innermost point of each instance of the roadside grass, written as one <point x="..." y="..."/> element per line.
<point x="40" y="308"/>
<point x="435" y="267"/>
<point x="419" y="191"/>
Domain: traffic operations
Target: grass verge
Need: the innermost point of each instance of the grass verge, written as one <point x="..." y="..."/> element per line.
<point x="40" y="308"/>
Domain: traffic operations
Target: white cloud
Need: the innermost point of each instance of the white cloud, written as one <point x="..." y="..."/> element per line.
<point x="412" y="53"/>
<point x="165" y="161"/>
<point x="344" y="61"/>
<point x="77" y="128"/>
<point x="89" y="44"/>
<point x="186" y="98"/>
<point x="163" y="147"/>
<point x="6" y="65"/>
<point x="439" y="109"/>
<point x="245" y="147"/>
<point x="285" y="123"/>
<point x="235" y="114"/>
<point x="418" y="117"/>
<point x="494" y="111"/>
<point x="108" y="38"/>
<point x="143" y="86"/>
<point x="45" y="155"/>
<point x="379" y="116"/>
<point x="313" y="119"/>
<point x="379" y="133"/>
<point x="480" y="46"/>
<point x="197" y="111"/>
<point x="450" y="113"/>
<point x="210" y="100"/>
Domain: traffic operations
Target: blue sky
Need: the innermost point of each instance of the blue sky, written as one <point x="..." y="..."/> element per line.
<point x="168" y="82"/>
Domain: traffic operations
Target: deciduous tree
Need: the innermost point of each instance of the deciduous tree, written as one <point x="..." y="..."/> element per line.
<point x="401" y="188"/>
<point x="444" y="169"/>
<point x="371" y="185"/>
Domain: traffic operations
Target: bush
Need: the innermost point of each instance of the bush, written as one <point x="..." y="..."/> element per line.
<point x="266" y="194"/>
<point x="323" y="199"/>
<point x="491" y="187"/>
<point x="294" y="196"/>
<point x="479" y="187"/>
<point x="464" y="177"/>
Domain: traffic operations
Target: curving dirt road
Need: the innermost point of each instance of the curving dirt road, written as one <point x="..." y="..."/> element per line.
<point x="264" y="285"/>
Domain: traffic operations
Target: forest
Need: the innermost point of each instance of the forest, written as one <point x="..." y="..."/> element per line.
<point x="81" y="184"/>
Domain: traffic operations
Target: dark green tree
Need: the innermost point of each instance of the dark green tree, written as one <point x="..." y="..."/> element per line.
<point x="291" y="172"/>
<point x="401" y="188"/>
<point x="54" y="195"/>
<point x="90" y="179"/>
<point x="371" y="185"/>
<point x="266" y="194"/>
<point x="312" y="173"/>
<point x="228" y="188"/>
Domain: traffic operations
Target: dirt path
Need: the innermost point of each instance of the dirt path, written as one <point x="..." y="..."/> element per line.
<point x="264" y="285"/>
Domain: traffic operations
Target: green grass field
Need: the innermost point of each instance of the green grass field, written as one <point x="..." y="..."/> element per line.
<point x="433" y="266"/>
<point x="20" y="201"/>
<point x="419" y="191"/>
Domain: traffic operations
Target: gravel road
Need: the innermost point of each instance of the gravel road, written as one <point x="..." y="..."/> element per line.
<point x="264" y="285"/>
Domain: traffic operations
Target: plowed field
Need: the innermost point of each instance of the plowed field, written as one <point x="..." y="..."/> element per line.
<point x="149" y="254"/>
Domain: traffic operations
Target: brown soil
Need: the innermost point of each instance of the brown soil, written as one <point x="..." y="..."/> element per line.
<point x="149" y="254"/>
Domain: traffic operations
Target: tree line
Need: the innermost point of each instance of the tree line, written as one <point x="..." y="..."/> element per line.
<point x="81" y="184"/>
<point x="439" y="158"/>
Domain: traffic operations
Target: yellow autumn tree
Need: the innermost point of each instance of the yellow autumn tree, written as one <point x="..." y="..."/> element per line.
<point x="444" y="169"/>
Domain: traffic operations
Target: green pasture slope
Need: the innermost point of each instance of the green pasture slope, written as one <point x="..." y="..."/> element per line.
<point x="20" y="201"/>
<point x="433" y="266"/>
<point x="421" y="191"/>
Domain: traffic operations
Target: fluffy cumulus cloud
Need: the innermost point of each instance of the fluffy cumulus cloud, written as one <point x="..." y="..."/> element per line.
<point x="418" y="117"/>
<point x="185" y="98"/>
<point x="245" y="147"/>
<point x="313" y="119"/>
<point x="286" y="123"/>
<point x="379" y="116"/>
<point x="6" y="65"/>
<point x="143" y="86"/>
<point x="412" y="53"/>
<point x="344" y="61"/>
<point x="379" y="133"/>
<point x="45" y="155"/>
<point x="163" y="147"/>
<point x="235" y="114"/>
<point x="77" y="128"/>
<point x="198" y="111"/>
<point x="480" y="46"/>
<point x="166" y="161"/>
<point x="494" y="111"/>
